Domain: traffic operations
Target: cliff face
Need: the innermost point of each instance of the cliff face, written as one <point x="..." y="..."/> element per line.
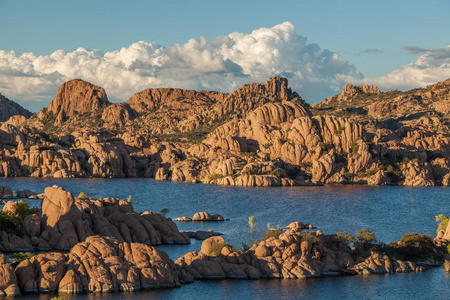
<point x="259" y="135"/>
<point x="10" y="108"/>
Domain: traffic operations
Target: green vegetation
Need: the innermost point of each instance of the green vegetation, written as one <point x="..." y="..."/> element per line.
<point x="344" y="237"/>
<point x="164" y="211"/>
<point x="412" y="246"/>
<point x="277" y="172"/>
<point x="308" y="236"/>
<point x="272" y="232"/>
<point x="216" y="248"/>
<point x="212" y="176"/>
<point x="11" y="221"/>
<point x="354" y="147"/>
<point x="365" y="239"/>
<point x="251" y="222"/>
<point x="249" y="154"/>
<point x="20" y="256"/>
<point x="443" y="222"/>
<point x="82" y="195"/>
<point x="369" y="173"/>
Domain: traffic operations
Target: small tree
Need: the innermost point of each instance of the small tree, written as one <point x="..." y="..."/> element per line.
<point x="251" y="222"/>
<point x="365" y="238"/>
<point x="164" y="211"/>
<point x="443" y="222"/>
<point x="344" y="237"/>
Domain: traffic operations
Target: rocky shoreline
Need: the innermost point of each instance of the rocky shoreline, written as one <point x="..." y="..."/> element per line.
<point x="111" y="249"/>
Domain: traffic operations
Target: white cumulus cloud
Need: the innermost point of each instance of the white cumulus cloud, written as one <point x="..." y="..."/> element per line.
<point x="223" y="64"/>
<point x="433" y="65"/>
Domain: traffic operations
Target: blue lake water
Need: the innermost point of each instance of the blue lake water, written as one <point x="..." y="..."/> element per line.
<point x="389" y="211"/>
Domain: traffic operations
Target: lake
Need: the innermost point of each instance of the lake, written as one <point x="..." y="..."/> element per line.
<point x="389" y="211"/>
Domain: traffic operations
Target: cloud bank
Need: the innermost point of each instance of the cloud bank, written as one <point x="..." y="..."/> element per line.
<point x="223" y="64"/>
<point x="433" y="65"/>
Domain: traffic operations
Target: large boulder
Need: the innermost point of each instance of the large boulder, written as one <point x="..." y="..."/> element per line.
<point x="8" y="279"/>
<point x="58" y="205"/>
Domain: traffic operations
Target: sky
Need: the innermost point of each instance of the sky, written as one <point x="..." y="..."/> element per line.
<point x="128" y="46"/>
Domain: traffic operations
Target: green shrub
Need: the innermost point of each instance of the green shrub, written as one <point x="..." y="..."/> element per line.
<point x="355" y="147"/>
<point x="277" y="172"/>
<point x="272" y="232"/>
<point x="13" y="221"/>
<point x="344" y="237"/>
<point x="251" y="222"/>
<point x="309" y="237"/>
<point x="20" y="256"/>
<point x="369" y="173"/>
<point x="164" y="211"/>
<point x="212" y="176"/>
<point x="7" y="222"/>
<point x="22" y="210"/>
<point x="416" y="240"/>
<point x="413" y="246"/>
<point x="443" y="222"/>
<point x="216" y="248"/>
<point x="82" y="195"/>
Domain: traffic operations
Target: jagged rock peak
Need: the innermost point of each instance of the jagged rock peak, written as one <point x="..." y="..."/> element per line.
<point x="9" y="108"/>
<point x="76" y="96"/>
<point x="274" y="87"/>
<point x="350" y="90"/>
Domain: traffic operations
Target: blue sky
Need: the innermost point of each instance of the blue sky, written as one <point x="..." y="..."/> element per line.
<point x="367" y="34"/>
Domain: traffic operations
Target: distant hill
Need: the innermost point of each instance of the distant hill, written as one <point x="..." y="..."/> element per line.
<point x="10" y="108"/>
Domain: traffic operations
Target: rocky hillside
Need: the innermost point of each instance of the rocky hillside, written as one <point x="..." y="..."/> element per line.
<point x="426" y="107"/>
<point x="259" y="135"/>
<point x="10" y="108"/>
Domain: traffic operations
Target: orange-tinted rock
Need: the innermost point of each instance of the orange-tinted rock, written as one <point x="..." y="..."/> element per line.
<point x="76" y="97"/>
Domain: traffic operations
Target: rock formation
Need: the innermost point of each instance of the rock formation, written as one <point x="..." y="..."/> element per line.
<point x="65" y="220"/>
<point x="10" y="108"/>
<point x="76" y="97"/>
<point x="259" y="135"/>
<point x="290" y="256"/>
<point x="97" y="265"/>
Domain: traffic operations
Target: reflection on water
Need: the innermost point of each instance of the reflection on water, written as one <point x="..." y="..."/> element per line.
<point x="388" y="211"/>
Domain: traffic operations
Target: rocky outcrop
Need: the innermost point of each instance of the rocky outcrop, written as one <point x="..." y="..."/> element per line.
<point x="259" y="135"/>
<point x="204" y="217"/>
<point x="8" y="279"/>
<point x="381" y="264"/>
<point x="10" y="108"/>
<point x="6" y="192"/>
<point x="97" y="265"/>
<point x="65" y="220"/>
<point x="76" y="97"/>
<point x="292" y="255"/>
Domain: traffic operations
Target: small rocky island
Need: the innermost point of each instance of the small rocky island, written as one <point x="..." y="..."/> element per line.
<point x="103" y="245"/>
